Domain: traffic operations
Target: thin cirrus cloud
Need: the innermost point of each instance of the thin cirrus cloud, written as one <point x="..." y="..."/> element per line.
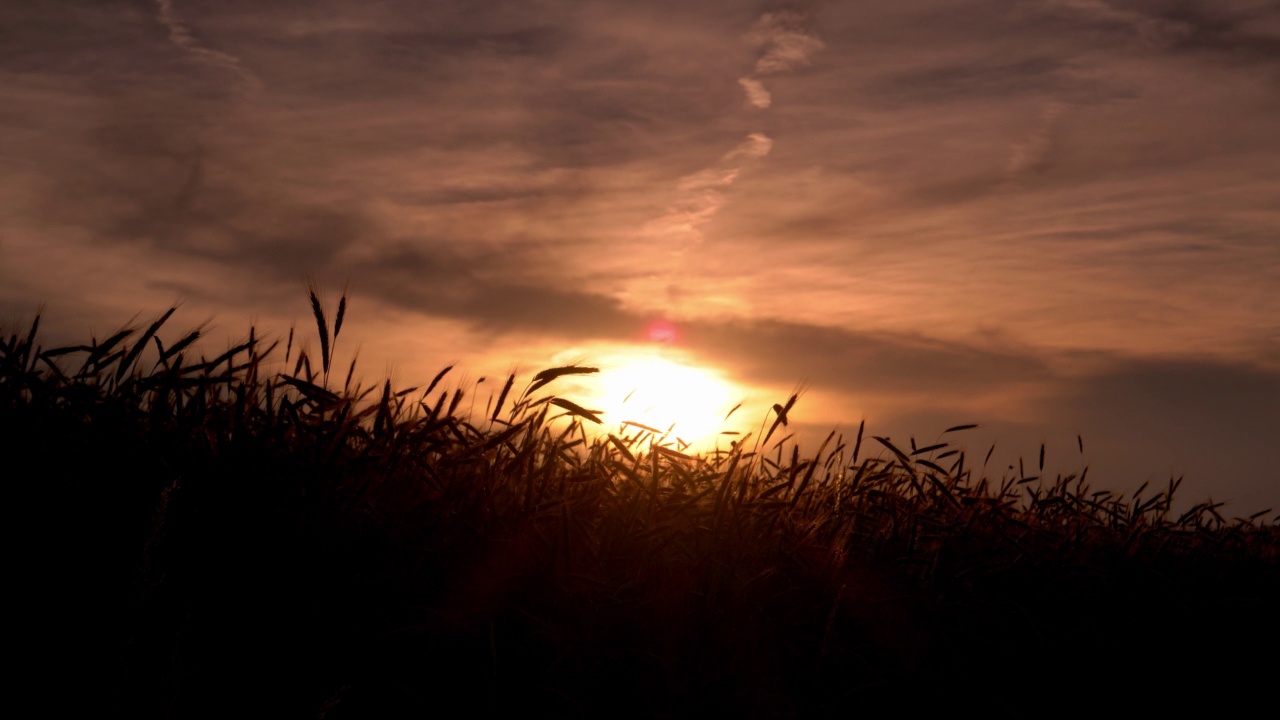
<point x="1053" y="217"/>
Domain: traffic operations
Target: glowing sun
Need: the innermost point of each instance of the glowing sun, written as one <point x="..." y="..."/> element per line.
<point x="660" y="391"/>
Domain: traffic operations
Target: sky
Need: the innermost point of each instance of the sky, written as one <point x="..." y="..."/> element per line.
<point x="1053" y="218"/>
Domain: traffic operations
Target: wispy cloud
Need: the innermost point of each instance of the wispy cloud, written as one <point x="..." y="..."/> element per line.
<point x="1032" y="150"/>
<point x="783" y="44"/>
<point x="756" y="94"/>
<point x="180" y="35"/>
<point x="702" y="194"/>
<point x="1151" y="28"/>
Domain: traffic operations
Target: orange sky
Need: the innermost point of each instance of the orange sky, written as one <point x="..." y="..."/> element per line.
<point x="1051" y="217"/>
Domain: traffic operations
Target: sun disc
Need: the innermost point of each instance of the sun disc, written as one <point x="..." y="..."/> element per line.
<point x="661" y="392"/>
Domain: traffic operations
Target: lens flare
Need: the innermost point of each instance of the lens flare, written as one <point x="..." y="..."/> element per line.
<point x="662" y="331"/>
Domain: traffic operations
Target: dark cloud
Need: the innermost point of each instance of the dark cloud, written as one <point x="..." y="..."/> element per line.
<point x="70" y="37"/>
<point x="474" y="286"/>
<point x="1236" y="230"/>
<point x="1141" y="420"/>
<point x="771" y="351"/>
<point x="1215" y="423"/>
<point x="194" y="166"/>
<point x="149" y="184"/>
<point x="994" y="77"/>
<point x="1171" y="393"/>
<point x="1236" y="34"/>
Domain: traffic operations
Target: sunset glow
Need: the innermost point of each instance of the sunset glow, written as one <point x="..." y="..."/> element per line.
<point x="665" y="393"/>
<point x="1055" y="221"/>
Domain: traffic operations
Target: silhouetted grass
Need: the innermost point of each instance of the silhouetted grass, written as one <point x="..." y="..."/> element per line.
<point x="212" y="537"/>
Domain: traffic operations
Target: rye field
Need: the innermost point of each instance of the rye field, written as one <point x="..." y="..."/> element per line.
<point x="257" y="534"/>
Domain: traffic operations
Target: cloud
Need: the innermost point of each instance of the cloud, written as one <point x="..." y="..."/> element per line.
<point x="756" y="94"/>
<point x="1154" y="30"/>
<point x="1241" y="32"/>
<point x="783" y="42"/>
<point x="990" y="78"/>
<point x="1141" y="418"/>
<point x="1033" y="150"/>
<point x="880" y="365"/>
<point x="702" y="194"/>
<point x="1154" y="418"/>
<point x="756" y="146"/>
<point x="181" y="36"/>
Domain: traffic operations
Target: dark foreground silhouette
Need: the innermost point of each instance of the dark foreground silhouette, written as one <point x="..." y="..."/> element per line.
<point x="243" y="537"/>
